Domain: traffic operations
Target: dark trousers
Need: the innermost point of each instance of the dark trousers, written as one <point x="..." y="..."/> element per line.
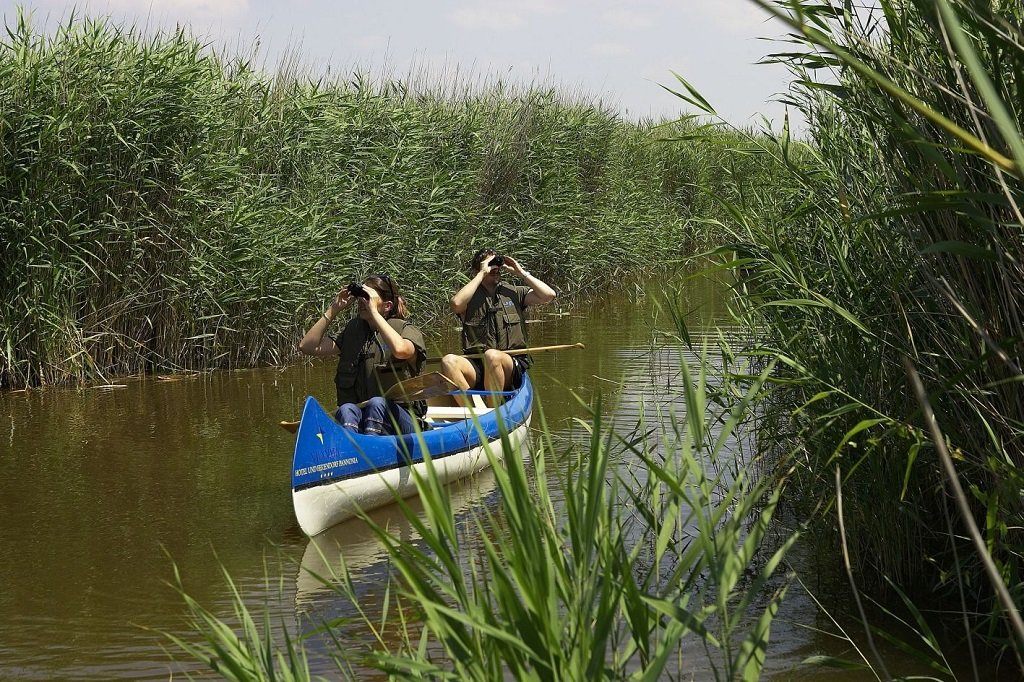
<point x="379" y="416"/>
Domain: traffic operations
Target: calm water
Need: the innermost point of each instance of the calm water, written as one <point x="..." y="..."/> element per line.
<point x="106" y="490"/>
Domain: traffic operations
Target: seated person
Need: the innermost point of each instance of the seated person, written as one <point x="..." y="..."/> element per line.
<point x="376" y="348"/>
<point x="493" y="315"/>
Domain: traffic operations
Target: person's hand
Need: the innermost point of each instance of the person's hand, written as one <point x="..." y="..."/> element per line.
<point x="341" y="301"/>
<point x="372" y="304"/>
<point x="485" y="265"/>
<point x="513" y="265"/>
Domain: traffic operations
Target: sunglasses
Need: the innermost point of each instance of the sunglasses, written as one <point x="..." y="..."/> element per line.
<point x="386" y="279"/>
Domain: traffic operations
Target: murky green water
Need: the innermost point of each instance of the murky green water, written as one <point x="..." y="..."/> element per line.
<point x="102" y="489"/>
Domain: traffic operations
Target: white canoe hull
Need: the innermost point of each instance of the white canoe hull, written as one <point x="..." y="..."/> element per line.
<point x="323" y="506"/>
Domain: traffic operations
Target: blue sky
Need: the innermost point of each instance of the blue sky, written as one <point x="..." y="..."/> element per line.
<point x="618" y="51"/>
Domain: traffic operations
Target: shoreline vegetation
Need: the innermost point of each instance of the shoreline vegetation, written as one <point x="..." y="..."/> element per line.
<point x="164" y="208"/>
<point x="885" y="279"/>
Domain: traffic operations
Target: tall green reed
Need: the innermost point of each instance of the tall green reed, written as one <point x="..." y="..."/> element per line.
<point x="167" y="207"/>
<point x="244" y="649"/>
<point x="896" y="236"/>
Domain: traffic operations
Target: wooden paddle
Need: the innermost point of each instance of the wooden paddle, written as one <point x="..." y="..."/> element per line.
<point x="429" y="385"/>
<point x="420" y="387"/>
<point x="522" y="351"/>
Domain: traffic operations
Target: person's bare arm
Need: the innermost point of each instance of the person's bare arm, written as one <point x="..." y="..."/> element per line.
<point x="540" y="292"/>
<point x="461" y="298"/>
<point x="315" y="342"/>
<point x="401" y="348"/>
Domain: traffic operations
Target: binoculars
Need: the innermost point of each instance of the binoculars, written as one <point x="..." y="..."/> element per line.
<point x="497" y="261"/>
<point x="358" y="290"/>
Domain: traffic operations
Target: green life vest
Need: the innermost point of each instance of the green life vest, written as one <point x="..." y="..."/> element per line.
<point x="366" y="366"/>
<point x="495" y="321"/>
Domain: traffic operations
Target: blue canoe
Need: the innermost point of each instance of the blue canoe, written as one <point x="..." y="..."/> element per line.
<point x="336" y="472"/>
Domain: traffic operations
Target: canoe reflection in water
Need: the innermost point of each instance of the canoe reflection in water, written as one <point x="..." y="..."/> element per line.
<point x="355" y="546"/>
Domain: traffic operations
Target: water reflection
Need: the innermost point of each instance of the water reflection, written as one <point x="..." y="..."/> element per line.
<point x="103" y="488"/>
<point x="356" y="546"/>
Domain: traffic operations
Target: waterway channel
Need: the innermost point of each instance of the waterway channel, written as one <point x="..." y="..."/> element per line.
<point x="106" y="490"/>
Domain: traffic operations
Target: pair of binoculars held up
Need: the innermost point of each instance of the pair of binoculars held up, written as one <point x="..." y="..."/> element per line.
<point x="358" y="290"/>
<point x="497" y="261"/>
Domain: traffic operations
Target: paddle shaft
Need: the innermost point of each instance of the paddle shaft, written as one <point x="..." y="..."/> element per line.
<point x="521" y="351"/>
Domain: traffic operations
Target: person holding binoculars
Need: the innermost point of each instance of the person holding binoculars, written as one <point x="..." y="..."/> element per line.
<point x="493" y="314"/>
<point x="376" y="349"/>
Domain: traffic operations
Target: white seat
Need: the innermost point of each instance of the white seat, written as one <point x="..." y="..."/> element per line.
<point x="451" y="413"/>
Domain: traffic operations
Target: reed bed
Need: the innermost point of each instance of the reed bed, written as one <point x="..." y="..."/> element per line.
<point x="167" y="208"/>
<point x="893" y="248"/>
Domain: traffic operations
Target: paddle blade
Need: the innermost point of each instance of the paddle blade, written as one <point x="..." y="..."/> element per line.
<point x="421" y="387"/>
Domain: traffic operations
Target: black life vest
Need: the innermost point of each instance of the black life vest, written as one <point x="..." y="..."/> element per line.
<point x="495" y="321"/>
<point x="366" y="366"/>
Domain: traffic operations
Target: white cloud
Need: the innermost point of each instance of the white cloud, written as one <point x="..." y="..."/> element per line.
<point x="204" y="7"/>
<point x="370" y="42"/>
<point x="621" y="49"/>
<point x="494" y="18"/>
<point x="739" y="17"/>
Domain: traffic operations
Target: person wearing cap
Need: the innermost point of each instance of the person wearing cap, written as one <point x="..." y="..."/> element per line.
<point x="377" y="348"/>
<point x="493" y="315"/>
